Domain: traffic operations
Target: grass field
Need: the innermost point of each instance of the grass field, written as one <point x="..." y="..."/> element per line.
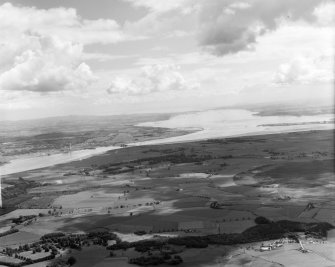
<point x="170" y="189"/>
<point x="19" y="238"/>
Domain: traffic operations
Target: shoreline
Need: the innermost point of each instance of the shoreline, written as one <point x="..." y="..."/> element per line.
<point x="174" y="140"/>
<point x="28" y="164"/>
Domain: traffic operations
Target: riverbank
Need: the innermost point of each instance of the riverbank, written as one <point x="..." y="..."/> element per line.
<point x="218" y="124"/>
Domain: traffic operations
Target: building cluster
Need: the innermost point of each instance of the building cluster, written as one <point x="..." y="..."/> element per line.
<point x="273" y="245"/>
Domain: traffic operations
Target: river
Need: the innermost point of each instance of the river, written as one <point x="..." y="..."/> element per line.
<point x="214" y="124"/>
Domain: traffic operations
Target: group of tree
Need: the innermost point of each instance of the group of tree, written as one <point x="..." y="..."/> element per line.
<point x="176" y="158"/>
<point x="9" y="232"/>
<point x="22" y="219"/>
<point x="264" y="230"/>
<point x="34" y="247"/>
<point x="160" y="251"/>
<point x="63" y="262"/>
<point x="158" y="259"/>
<point x="76" y="241"/>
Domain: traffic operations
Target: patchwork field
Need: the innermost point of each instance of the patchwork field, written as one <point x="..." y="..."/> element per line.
<point x="19" y="238"/>
<point x="209" y="187"/>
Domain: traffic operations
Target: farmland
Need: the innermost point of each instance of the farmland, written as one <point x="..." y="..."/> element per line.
<point x="200" y="188"/>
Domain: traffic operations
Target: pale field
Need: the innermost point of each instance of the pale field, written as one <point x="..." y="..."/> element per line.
<point x="134" y="238"/>
<point x="248" y="261"/>
<point x="245" y="179"/>
<point x="58" y="184"/>
<point x="54" y="189"/>
<point x="19" y="238"/>
<point x="40" y="264"/>
<point x="3" y="185"/>
<point x="37" y="255"/>
<point x="290" y="256"/>
<point x="44" y="225"/>
<point x="85" y="199"/>
<point x="9" y="260"/>
<point x="223" y="180"/>
<point x="194" y="175"/>
<point x="326" y="250"/>
<point x="166" y="208"/>
<point x="22" y="212"/>
<point x="104" y="201"/>
<point x="4" y="229"/>
<point x="71" y="179"/>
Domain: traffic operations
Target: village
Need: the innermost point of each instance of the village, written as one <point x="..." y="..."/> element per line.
<point x="60" y="245"/>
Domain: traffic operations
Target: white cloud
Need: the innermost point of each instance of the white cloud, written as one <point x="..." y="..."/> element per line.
<point x="240" y="5"/>
<point x="228" y="27"/>
<point x="41" y="50"/>
<point x="306" y="69"/>
<point x="46" y="64"/>
<point x="173" y="18"/>
<point x="102" y="57"/>
<point x="32" y="62"/>
<point x="325" y="14"/>
<point x="158" y="6"/>
<point x="64" y="23"/>
<point x="152" y="78"/>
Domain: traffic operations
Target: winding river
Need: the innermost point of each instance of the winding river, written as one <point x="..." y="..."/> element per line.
<point x="214" y="124"/>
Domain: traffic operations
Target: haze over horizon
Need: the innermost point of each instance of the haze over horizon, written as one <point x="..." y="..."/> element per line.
<point x="73" y="57"/>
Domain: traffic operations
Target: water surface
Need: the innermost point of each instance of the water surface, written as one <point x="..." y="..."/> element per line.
<point x="212" y="124"/>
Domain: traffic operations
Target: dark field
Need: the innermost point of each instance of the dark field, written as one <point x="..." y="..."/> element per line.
<point x="198" y="188"/>
<point x="277" y="170"/>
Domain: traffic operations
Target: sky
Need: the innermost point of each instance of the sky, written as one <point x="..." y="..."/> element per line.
<point x="104" y="57"/>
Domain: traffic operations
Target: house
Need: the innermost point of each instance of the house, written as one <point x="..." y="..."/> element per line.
<point x="265" y="248"/>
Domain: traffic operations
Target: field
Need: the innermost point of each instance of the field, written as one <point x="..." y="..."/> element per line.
<point x="19" y="238"/>
<point x="186" y="189"/>
<point x="272" y="175"/>
<point x="54" y="135"/>
<point x="100" y="258"/>
<point x="289" y="255"/>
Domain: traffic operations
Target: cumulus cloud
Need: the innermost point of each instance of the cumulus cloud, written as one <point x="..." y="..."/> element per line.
<point x="152" y="78"/>
<point x="46" y="64"/>
<point x="62" y="22"/>
<point x="229" y="26"/>
<point x="305" y="69"/>
<point x="173" y="18"/>
<point x="159" y="6"/>
<point x="325" y="13"/>
<point x="41" y="50"/>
